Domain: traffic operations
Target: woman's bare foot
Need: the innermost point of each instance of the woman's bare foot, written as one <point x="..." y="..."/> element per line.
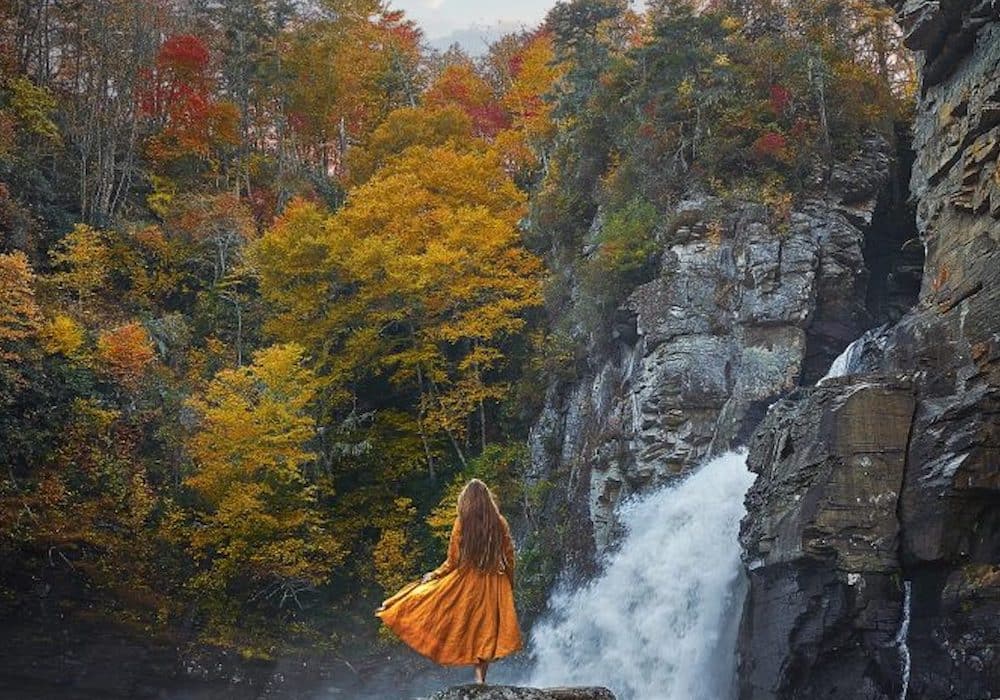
<point x="481" y="672"/>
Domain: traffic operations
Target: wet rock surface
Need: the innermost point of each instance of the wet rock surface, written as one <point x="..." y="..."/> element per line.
<point x="821" y="543"/>
<point x="829" y="578"/>
<point x="510" y="692"/>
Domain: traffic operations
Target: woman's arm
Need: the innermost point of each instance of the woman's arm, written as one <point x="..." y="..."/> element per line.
<point x="508" y="552"/>
<point x="451" y="563"/>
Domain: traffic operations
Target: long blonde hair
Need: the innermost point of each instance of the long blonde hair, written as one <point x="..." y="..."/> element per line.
<point x="484" y="530"/>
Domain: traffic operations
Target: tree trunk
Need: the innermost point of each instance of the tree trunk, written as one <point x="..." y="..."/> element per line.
<point x="420" y="426"/>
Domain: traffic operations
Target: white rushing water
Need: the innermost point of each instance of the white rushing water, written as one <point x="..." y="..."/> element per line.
<point x="841" y="365"/>
<point x="848" y="362"/>
<point x="660" y="622"/>
<point x="902" y="643"/>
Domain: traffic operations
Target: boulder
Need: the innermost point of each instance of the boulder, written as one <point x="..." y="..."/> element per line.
<point x="510" y="692"/>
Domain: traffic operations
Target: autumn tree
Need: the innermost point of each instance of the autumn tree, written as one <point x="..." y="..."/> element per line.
<point x="406" y="127"/>
<point x="125" y="353"/>
<point x="82" y="260"/>
<point x="530" y="73"/>
<point x="192" y="123"/>
<point x="460" y="85"/>
<point x="28" y="108"/>
<point x="422" y="277"/>
<point x="29" y="137"/>
<point x="20" y="316"/>
<point x="350" y="71"/>
<point x="301" y="276"/>
<point x="63" y="335"/>
<point x="259" y="533"/>
<point x="394" y="553"/>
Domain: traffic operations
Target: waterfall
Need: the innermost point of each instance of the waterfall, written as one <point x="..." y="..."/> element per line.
<point x="661" y="620"/>
<point x="841" y="365"/>
<point x="860" y="353"/>
<point x="902" y="643"/>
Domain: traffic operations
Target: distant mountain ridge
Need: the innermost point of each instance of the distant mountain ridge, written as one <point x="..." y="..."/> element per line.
<point x="476" y="38"/>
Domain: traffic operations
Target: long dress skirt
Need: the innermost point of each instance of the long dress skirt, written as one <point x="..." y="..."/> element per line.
<point x="462" y="615"/>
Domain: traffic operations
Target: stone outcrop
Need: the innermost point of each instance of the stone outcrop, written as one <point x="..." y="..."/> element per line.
<point x="510" y="692"/>
<point x="742" y="310"/>
<point x="873" y="533"/>
<point x="821" y="544"/>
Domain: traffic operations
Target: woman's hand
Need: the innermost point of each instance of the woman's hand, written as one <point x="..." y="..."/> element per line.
<point x="427" y="577"/>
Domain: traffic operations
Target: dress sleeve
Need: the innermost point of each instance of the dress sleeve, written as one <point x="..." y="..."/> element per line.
<point x="451" y="563"/>
<point x="508" y="553"/>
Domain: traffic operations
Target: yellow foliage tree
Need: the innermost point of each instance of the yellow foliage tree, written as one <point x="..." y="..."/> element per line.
<point x="395" y="555"/>
<point x="19" y="314"/>
<point x="349" y="72"/>
<point x="406" y="127"/>
<point x="82" y="261"/>
<point x="392" y="559"/>
<point x="420" y="277"/>
<point x="299" y="276"/>
<point x="32" y="107"/>
<point x="534" y="73"/>
<point x="63" y="336"/>
<point x="260" y="532"/>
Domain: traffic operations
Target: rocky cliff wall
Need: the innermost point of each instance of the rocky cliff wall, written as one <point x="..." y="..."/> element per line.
<point x="743" y="309"/>
<point x="872" y="539"/>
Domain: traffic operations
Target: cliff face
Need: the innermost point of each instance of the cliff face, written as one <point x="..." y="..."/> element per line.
<point x="742" y="311"/>
<point x="873" y="533"/>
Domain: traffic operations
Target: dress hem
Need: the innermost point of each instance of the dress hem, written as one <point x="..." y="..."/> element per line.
<point x="496" y="657"/>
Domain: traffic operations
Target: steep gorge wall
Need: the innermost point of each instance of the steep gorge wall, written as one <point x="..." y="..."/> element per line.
<point x="873" y="533"/>
<point x="743" y="309"/>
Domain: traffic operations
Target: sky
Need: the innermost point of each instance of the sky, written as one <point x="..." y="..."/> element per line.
<point x="441" y="18"/>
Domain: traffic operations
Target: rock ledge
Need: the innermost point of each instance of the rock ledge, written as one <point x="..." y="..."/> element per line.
<point x="511" y="692"/>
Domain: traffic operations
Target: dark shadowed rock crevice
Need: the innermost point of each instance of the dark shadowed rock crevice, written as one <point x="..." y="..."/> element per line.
<point x="894" y="253"/>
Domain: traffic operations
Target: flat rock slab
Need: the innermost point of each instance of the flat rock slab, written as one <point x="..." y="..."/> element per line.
<point x="511" y="692"/>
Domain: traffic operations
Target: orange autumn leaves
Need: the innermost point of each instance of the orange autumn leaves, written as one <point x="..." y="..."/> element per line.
<point x="124" y="353"/>
<point x="19" y="314"/>
<point x="121" y="353"/>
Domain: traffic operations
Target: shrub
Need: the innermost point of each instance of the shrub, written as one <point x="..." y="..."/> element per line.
<point x="624" y="259"/>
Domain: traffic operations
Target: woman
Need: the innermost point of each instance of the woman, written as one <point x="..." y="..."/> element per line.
<point x="462" y="613"/>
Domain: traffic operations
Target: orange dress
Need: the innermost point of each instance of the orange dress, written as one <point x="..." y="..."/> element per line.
<point x="462" y="615"/>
